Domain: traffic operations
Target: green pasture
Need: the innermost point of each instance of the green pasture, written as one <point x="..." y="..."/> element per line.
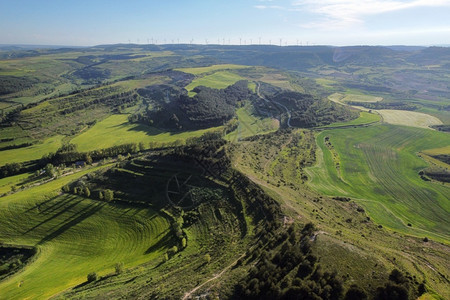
<point x="364" y="118"/>
<point x="218" y="80"/>
<point x="74" y="236"/>
<point x="115" y="130"/>
<point x="378" y="166"/>
<point x="250" y="125"/>
<point x="8" y="182"/>
<point x="213" y="68"/>
<point x="33" y="152"/>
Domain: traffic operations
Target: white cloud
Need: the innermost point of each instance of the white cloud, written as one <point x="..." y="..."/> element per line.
<point x="346" y="13"/>
<point x="268" y="7"/>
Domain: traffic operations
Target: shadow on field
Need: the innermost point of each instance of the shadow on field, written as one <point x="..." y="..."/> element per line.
<point x="62" y="206"/>
<point x="40" y="204"/>
<point x="74" y="220"/>
<point x="163" y="242"/>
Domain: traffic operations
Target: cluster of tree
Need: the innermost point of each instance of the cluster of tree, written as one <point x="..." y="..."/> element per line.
<point x="289" y="270"/>
<point x="208" y="108"/>
<point x="445" y="128"/>
<point x="82" y="188"/>
<point x="309" y="111"/>
<point x="13" y="84"/>
<point x="16" y="146"/>
<point x="400" y="105"/>
<point x="68" y="153"/>
<point x="92" y="74"/>
<point x="91" y="98"/>
<point x="12" y="259"/>
<point x="10" y="169"/>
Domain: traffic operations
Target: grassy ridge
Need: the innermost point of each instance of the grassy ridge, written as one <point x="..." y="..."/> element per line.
<point x="115" y="130"/>
<point x="379" y="166"/>
<point x="75" y="236"/>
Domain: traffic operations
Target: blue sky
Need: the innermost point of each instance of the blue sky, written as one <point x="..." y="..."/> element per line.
<point x="313" y="22"/>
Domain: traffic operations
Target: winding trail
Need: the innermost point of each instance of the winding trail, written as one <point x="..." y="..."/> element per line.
<point x="188" y="295"/>
<point x="277" y="103"/>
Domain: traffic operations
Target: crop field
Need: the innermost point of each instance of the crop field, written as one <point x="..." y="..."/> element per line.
<point x="364" y="118"/>
<point x="115" y="130"/>
<point x="218" y="80"/>
<point x="32" y="152"/>
<point x="250" y="125"/>
<point x="408" y="118"/>
<point x="74" y="236"/>
<point x="213" y="68"/>
<point x="7" y="182"/>
<point x="378" y="166"/>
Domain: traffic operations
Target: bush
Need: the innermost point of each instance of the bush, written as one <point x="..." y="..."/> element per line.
<point x="207" y="258"/>
<point x="119" y="267"/>
<point x="92" y="277"/>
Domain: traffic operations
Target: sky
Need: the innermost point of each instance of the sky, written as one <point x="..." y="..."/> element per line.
<point x="278" y="22"/>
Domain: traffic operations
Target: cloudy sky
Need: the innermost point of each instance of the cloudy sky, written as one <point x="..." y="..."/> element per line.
<point x="312" y="22"/>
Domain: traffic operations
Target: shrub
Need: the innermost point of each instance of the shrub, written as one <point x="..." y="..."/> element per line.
<point x="119" y="267"/>
<point x="92" y="277"/>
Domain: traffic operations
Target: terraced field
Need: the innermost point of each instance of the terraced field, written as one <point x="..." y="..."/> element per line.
<point x="74" y="236"/>
<point x="378" y="166"/>
<point x="116" y="130"/>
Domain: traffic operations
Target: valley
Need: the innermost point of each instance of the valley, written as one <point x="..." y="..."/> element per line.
<point x="180" y="171"/>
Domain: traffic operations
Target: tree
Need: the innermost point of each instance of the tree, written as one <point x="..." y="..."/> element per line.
<point x="109" y="195"/>
<point x="100" y="195"/>
<point x="50" y="170"/>
<point x="207" y="258"/>
<point x="119" y="267"/>
<point x="87" y="192"/>
<point x="92" y="277"/>
<point x="183" y="242"/>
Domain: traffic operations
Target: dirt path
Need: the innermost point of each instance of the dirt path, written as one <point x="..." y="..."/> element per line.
<point x="188" y="295"/>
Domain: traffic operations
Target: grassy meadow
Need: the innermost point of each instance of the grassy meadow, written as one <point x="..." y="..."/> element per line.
<point x="116" y="130"/>
<point x="378" y="166"/>
<point x="74" y="236"/>
<point x="33" y="152"/>
<point x="250" y="125"/>
<point x="218" y="80"/>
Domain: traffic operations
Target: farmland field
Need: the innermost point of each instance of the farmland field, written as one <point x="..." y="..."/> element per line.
<point x="408" y="118"/>
<point x="378" y="166"/>
<point x="74" y="236"/>
<point x="115" y="130"/>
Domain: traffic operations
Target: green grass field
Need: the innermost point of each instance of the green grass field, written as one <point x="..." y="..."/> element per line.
<point x="115" y="130"/>
<point x="364" y="118"/>
<point x="218" y="80"/>
<point x="74" y="236"/>
<point x="250" y="125"/>
<point x="378" y="166"/>
<point x="213" y="68"/>
<point x="32" y="152"/>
